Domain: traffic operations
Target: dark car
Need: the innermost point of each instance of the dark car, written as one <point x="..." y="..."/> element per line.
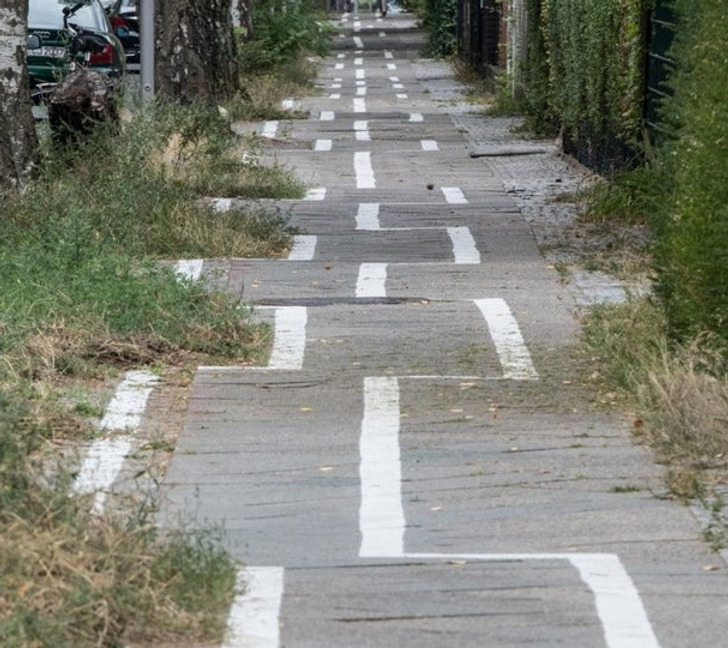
<point x="51" y="62"/>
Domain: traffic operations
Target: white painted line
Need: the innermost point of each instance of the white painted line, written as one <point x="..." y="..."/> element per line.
<point x="358" y="61"/>
<point x="381" y="516"/>
<point x="361" y="131"/>
<point x="340" y="56"/>
<point x="398" y="86"/>
<point x="358" y="42"/>
<point x="391" y="66"/>
<point x="127" y="406"/>
<point x="382" y="34"/>
<point x="327" y="115"/>
<point x="361" y="74"/>
<point x="429" y="145"/>
<point x="618" y="603"/>
<point x="339" y="66"/>
<point x="335" y="95"/>
<point x="105" y="457"/>
<point x="367" y="217"/>
<point x="394" y="79"/>
<point x="335" y="86"/>
<point x="509" y="345"/>
<point x="388" y="55"/>
<point x="360" y="83"/>
<point x="372" y="280"/>
<point x="364" y="171"/>
<point x="416" y="117"/>
<point x="254" y="617"/>
<point x="189" y="269"/>
<point x="221" y="204"/>
<point x="454" y="195"/>
<point x="463" y="246"/>
<point x="323" y="145"/>
<point x="289" y="341"/>
<point x="319" y="193"/>
<point x="401" y="95"/>
<point x="357" y="25"/>
<point x="360" y="105"/>
<point x="361" y="91"/>
<point x="304" y="248"/>
<point x="269" y="129"/>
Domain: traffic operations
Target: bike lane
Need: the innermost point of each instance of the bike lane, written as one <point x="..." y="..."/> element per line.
<point x="417" y="466"/>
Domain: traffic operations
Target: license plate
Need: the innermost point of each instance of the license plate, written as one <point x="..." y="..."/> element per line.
<point x="51" y="52"/>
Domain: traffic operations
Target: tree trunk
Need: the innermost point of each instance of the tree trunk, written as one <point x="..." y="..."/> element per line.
<point x="196" y="50"/>
<point x="18" y="139"/>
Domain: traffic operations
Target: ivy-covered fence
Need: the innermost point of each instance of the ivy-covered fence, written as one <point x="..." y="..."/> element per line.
<point x="585" y="76"/>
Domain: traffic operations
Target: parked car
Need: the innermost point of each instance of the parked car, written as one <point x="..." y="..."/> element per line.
<point x="124" y="18"/>
<point x="52" y="61"/>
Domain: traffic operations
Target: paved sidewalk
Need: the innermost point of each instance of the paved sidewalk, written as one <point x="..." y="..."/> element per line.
<point x="417" y="465"/>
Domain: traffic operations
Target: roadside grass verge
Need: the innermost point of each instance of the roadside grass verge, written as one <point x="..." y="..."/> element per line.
<point x="84" y="297"/>
<point x="677" y="391"/>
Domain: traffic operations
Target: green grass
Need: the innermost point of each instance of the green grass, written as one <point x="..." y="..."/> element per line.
<point x="84" y="295"/>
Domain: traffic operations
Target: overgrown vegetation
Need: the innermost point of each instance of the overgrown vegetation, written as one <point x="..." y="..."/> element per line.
<point x="84" y="294"/>
<point x="439" y="19"/>
<point x="678" y="392"/>
<point x="585" y="76"/>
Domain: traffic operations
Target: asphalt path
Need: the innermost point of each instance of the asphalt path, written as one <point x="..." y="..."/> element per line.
<point x="417" y="464"/>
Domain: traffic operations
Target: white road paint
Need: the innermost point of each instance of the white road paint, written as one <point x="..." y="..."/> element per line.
<point x="618" y="603"/>
<point x="221" y="205"/>
<point x="339" y="66"/>
<point x="394" y="79"/>
<point x="361" y="74"/>
<point x="323" y="145"/>
<point x="416" y="117"/>
<point x="358" y="42"/>
<point x="454" y="195"/>
<point x="304" y="248"/>
<point x="391" y="66"/>
<point x="327" y="115"/>
<point x="289" y="341"/>
<point x="464" y="248"/>
<point x="357" y="25"/>
<point x="189" y="269"/>
<point x="318" y="193"/>
<point x="382" y="34"/>
<point x="340" y="55"/>
<point x="429" y="145"/>
<point x="367" y="218"/>
<point x="335" y="95"/>
<point x="512" y="352"/>
<point x="364" y="171"/>
<point x="358" y="61"/>
<point x="381" y="516"/>
<point x="372" y="280"/>
<point x="361" y="91"/>
<point x="361" y="131"/>
<point x="105" y="457"/>
<point x="360" y="105"/>
<point x="335" y="86"/>
<point x="269" y="129"/>
<point x="398" y="86"/>
<point x="401" y="95"/>
<point x="388" y="55"/>
<point x="253" y="620"/>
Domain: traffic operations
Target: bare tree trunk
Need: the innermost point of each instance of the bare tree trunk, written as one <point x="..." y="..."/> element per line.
<point x="18" y="139"/>
<point x="196" y="49"/>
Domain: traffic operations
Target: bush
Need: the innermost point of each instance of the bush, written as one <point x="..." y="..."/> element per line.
<point x="692" y="252"/>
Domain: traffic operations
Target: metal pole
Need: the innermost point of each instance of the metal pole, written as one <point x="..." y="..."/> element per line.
<point x="146" y="48"/>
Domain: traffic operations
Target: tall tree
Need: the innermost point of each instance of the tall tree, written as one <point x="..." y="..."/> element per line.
<point x="18" y="139"/>
<point x="196" y="49"/>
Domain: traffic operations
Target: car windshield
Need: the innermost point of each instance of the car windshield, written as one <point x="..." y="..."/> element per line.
<point x="49" y="14"/>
